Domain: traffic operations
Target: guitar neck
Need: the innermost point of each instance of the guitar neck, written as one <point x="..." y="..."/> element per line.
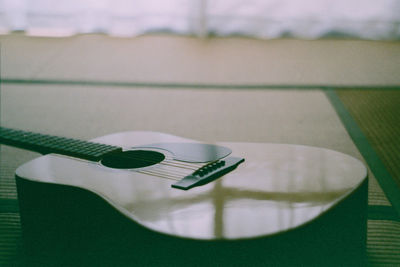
<point x="46" y="144"/>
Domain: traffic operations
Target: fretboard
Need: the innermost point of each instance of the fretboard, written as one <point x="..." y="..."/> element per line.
<point x="46" y="144"/>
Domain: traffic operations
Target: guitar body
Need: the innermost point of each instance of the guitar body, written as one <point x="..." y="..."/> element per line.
<point x="285" y="204"/>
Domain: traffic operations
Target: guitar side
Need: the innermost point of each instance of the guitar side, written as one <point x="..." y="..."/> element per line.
<point x="83" y="212"/>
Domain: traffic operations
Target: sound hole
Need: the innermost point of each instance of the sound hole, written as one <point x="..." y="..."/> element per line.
<point x="132" y="159"/>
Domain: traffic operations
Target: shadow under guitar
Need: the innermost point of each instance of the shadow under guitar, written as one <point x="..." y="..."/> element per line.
<point x="69" y="226"/>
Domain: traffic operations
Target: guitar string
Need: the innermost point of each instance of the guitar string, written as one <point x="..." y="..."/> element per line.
<point x="168" y="173"/>
<point x="177" y="164"/>
<point x="173" y="162"/>
<point x="188" y="164"/>
<point x="162" y="172"/>
<point x="193" y="165"/>
<point x="162" y="175"/>
<point x="169" y="161"/>
<point x="174" y="171"/>
<point x="150" y="159"/>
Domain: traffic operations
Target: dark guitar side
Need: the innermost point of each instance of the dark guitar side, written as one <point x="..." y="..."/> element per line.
<point x="65" y="225"/>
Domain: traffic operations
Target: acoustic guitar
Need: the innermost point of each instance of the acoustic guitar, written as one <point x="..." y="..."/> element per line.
<point x="155" y="199"/>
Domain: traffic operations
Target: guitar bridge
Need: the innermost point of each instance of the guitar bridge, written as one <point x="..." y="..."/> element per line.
<point x="208" y="173"/>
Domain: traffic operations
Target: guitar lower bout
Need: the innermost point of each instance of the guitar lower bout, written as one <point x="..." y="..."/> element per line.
<point x="285" y="204"/>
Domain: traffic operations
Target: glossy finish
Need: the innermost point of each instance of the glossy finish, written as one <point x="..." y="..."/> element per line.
<point x="278" y="187"/>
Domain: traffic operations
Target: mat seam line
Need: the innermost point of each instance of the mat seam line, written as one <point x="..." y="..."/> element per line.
<point x="372" y="159"/>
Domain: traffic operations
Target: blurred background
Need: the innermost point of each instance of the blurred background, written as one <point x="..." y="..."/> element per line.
<point x="259" y="18"/>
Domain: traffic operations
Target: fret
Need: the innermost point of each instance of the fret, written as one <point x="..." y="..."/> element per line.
<point x="45" y="144"/>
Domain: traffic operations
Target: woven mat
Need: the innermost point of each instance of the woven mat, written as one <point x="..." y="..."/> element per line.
<point x="383" y="224"/>
<point x="377" y="114"/>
